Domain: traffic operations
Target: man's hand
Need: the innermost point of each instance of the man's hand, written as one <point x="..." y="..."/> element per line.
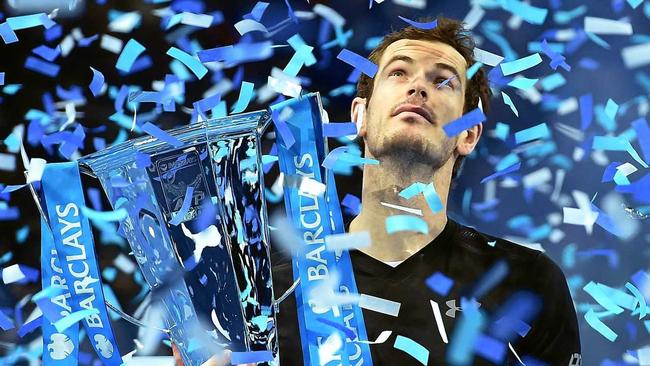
<point x="223" y="360"/>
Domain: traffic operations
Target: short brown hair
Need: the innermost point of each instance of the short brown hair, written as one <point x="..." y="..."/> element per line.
<point x="451" y="32"/>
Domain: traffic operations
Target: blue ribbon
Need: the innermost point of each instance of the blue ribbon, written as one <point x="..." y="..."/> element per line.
<point x="59" y="348"/>
<point x="311" y="216"/>
<point x="359" y="352"/>
<point x="73" y="241"/>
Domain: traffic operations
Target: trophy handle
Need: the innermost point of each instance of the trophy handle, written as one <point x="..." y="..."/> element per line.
<point x="289" y="291"/>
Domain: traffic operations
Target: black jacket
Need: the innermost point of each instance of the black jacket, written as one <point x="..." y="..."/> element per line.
<point x="464" y="255"/>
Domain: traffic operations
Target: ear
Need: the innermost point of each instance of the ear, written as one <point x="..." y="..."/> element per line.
<point x="468" y="139"/>
<point x="358" y="115"/>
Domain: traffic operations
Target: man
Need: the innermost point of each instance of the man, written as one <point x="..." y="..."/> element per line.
<point x="421" y="86"/>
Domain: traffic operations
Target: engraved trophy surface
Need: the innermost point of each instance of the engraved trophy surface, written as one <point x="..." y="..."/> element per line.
<point x="213" y="282"/>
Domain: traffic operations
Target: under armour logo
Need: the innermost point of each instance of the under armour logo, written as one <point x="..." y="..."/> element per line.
<point x="576" y="360"/>
<point x="451" y="304"/>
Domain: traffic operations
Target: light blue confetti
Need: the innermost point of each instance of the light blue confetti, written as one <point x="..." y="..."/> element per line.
<point x="245" y="96"/>
<point x="412" y="348"/>
<point x="397" y="223"/>
<point x="193" y="64"/>
<point x="129" y="54"/>
<point x="539" y="131"/>
<point x="512" y="67"/>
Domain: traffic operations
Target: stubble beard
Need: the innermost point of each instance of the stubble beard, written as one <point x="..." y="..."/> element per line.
<point x="406" y="150"/>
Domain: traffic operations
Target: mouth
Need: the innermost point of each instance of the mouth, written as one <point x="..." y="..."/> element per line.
<point x="411" y="109"/>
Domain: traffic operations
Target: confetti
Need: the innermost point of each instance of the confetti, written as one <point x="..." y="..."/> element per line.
<point x="245" y="96"/>
<point x="379" y="305"/>
<point x="237" y="358"/>
<point x="397" y="223"/>
<point x="487" y="58"/>
<point x="193" y="64"/>
<point x="412" y="348"/>
<point x="129" y="54"/>
<point x="428" y="25"/>
<point x="187" y="18"/>
<point x="72" y="318"/>
<point x="161" y="135"/>
<point x="337" y="242"/>
<point x="358" y="62"/>
<point x="97" y="83"/>
<point x="523" y="83"/>
<point x="105" y="216"/>
<point x="636" y="56"/>
<point x="125" y="22"/>
<point x="439" y="323"/>
<point x="440" y="283"/>
<point x="466" y="122"/>
<point x="508" y="102"/>
<point x="513" y="67"/>
<point x="339" y="129"/>
<point x="595" y="25"/>
<point x="594" y="321"/>
<point x="42" y="67"/>
<point x="249" y="25"/>
<point x="185" y="207"/>
<point x="529" y="13"/>
<point x="536" y="132"/>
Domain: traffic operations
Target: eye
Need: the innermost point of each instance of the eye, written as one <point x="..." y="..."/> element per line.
<point x="397" y="73"/>
<point x="442" y="82"/>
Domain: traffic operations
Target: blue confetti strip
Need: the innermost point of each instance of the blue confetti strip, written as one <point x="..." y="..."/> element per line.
<point x="339" y="129"/>
<point x="42" y="67"/>
<point x="129" y="54"/>
<point x="428" y="25"/>
<point x="493" y="276"/>
<point x="7" y="34"/>
<point x="245" y="96"/>
<point x="72" y="318"/>
<point x="465" y="122"/>
<point x="525" y="63"/>
<point x="523" y="83"/>
<point x="643" y="135"/>
<point x="594" y="321"/>
<point x="97" y="83"/>
<point x="440" y="283"/>
<point x="586" y="111"/>
<point x="5" y="322"/>
<point x="105" y="216"/>
<point x="526" y="11"/>
<point x="161" y="135"/>
<point x="237" y="358"/>
<point x="397" y="223"/>
<point x="539" y="131"/>
<point x="358" y="62"/>
<point x="508" y="102"/>
<point x="193" y="64"/>
<point x="50" y="54"/>
<point x="30" y="21"/>
<point x="412" y="348"/>
<point x="490" y="348"/>
<point x="187" y="201"/>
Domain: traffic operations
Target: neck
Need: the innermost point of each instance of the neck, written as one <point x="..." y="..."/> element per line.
<point x="382" y="183"/>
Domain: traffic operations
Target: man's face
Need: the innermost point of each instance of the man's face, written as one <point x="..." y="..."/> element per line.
<point x="420" y="87"/>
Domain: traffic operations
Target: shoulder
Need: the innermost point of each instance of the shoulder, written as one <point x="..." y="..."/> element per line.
<point x="531" y="267"/>
<point x="482" y="243"/>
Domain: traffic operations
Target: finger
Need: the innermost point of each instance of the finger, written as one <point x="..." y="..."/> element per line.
<point x="178" y="361"/>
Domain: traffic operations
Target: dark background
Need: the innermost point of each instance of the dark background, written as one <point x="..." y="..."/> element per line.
<point x="19" y="238"/>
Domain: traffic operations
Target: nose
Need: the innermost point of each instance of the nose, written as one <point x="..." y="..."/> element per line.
<point x="417" y="90"/>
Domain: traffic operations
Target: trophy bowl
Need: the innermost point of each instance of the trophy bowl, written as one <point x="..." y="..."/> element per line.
<point x="197" y="227"/>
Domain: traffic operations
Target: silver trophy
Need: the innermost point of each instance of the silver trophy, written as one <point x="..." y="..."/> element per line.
<point x="214" y="284"/>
